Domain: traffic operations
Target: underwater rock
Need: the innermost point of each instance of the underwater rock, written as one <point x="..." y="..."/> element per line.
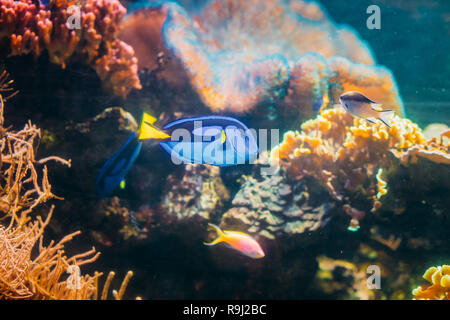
<point x="120" y="223"/>
<point x="416" y="206"/>
<point x="239" y="54"/>
<point x="196" y="192"/>
<point x="30" y="27"/>
<point x="88" y="144"/>
<point x="349" y="277"/>
<point x="270" y="207"/>
<point x="342" y="279"/>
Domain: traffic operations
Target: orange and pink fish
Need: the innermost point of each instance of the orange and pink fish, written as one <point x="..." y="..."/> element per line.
<point x="239" y="241"/>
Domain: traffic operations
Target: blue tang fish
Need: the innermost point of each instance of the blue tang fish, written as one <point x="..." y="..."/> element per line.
<point x="213" y="140"/>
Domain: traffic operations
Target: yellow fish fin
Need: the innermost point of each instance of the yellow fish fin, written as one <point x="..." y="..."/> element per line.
<point x="224" y="137"/>
<point x="230" y="232"/>
<point x="148" y="131"/>
<point x="219" y="238"/>
<point x="149" y="118"/>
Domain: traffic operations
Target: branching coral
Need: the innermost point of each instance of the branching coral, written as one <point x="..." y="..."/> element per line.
<point x="42" y="277"/>
<point x="345" y="154"/>
<point x="435" y="150"/>
<point x="238" y="54"/>
<point x="39" y="278"/>
<point x="31" y="28"/>
<point x="28" y="268"/>
<point x="439" y="288"/>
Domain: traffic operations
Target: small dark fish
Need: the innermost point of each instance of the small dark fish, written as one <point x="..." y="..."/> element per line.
<point x="360" y="106"/>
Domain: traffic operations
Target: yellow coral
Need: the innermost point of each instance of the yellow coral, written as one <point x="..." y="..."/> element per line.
<point x="346" y="153"/>
<point x="439" y="278"/>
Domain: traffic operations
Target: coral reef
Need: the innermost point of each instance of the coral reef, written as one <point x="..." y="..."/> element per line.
<point x="271" y="207"/>
<point x="439" y="287"/>
<point x="237" y="55"/>
<point x="345" y="155"/>
<point x="198" y="192"/>
<point x="29" y="269"/>
<point x="436" y="150"/>
<point x="31" y="27"/>
<point x="347" y="277"/>
<point x="121" y="223"/>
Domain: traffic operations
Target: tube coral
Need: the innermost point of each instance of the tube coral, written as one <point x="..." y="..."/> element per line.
<point x="31" y="27"/>
<point x="238" y="54"/>
<point x="439" y="288"/>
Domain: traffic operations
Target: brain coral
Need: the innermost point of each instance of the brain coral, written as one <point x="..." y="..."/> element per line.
<point x="271" y="207"/>
<point x="238" y="54"/>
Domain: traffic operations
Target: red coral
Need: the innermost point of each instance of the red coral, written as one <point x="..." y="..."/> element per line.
<point x="32" y="28"/>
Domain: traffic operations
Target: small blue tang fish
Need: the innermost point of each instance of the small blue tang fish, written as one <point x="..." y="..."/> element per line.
<point x="214" y="140"/>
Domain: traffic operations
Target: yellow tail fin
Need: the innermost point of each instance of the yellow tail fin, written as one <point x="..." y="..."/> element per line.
<point x="148" y="131"/>
<point x="219" y="235"/>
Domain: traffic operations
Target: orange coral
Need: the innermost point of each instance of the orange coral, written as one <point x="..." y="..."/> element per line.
<point x="435" y="150"/>
<point x="345" y="153"/>
<point x="33" y="27"/>
<point x="439" y="288"/>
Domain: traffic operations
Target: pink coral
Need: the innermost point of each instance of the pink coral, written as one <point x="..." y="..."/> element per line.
<point x="33" y="28"/>
<point x="238" y="54"/>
